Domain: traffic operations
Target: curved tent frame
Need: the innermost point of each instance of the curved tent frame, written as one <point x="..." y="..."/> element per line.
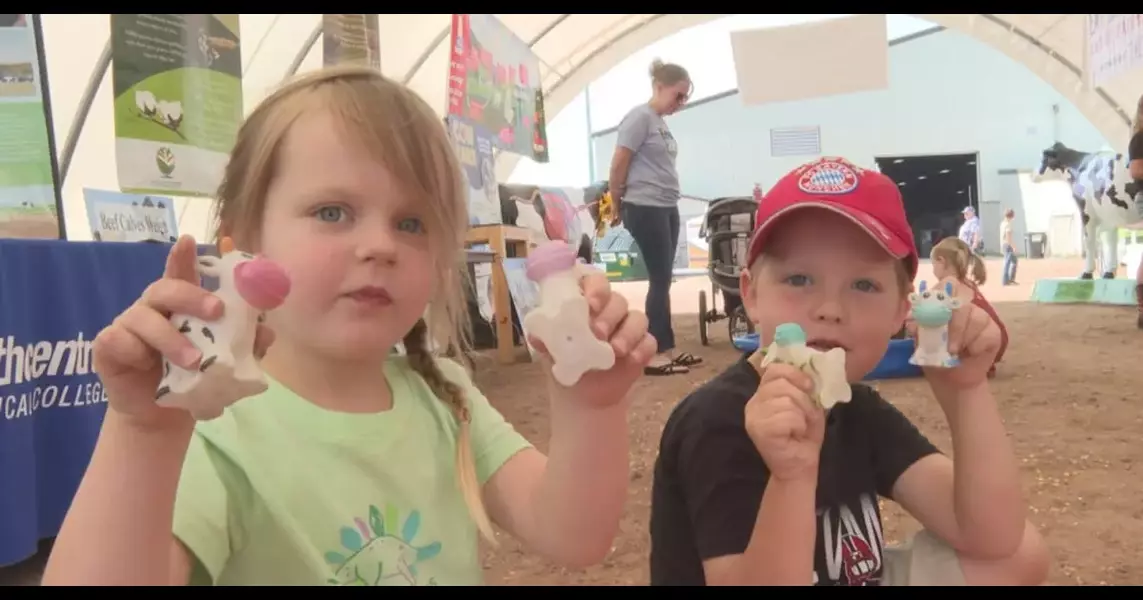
<point x="574" y="50"/>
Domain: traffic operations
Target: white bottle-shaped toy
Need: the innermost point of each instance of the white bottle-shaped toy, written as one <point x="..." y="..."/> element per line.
<point x="562" y="319"/>
<point x="932" y="311"/>
<point x="827" y="369"/>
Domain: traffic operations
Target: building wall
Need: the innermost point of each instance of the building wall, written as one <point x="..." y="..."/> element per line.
<point x="948" y="94"/>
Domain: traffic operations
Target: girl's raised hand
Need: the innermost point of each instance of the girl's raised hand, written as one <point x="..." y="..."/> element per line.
<point x="127" y="354"/>
<point x="625" y="330"/>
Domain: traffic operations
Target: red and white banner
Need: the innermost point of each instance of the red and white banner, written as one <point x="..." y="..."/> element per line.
<point x="494" y="85"/>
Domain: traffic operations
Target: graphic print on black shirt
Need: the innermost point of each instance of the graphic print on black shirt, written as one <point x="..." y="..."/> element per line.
<point x="709" y="481"/>
<point x="851" y="544"/>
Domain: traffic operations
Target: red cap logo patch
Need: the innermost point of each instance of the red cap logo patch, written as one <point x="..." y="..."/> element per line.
<point x="828" y="177"/>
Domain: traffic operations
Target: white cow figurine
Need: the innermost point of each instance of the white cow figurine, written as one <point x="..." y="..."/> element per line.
<point x="1107" y="197"/>
<point x="825" y="368"/>
<point x="932" y="311"/>
<point x="248" y="286"/>
<point x="562" y="319"/>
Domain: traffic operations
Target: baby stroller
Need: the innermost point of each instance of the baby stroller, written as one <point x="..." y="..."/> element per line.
<point x="726" y="228"/>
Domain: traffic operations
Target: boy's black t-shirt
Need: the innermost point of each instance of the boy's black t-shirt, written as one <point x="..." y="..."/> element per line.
<point x="709" y="480"/>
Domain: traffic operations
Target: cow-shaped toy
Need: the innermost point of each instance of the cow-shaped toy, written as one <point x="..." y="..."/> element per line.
<point x="932" y="311"/>
<point x="562" y="319"/>
<point x="1107" y="197"/>
<point x="228" y="371"/>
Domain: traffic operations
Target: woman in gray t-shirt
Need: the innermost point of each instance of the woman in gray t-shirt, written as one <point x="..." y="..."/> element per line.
<point x="645" y="184"/>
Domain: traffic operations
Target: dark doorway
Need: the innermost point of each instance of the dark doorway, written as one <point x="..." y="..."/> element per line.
<point x="936" y="189"/>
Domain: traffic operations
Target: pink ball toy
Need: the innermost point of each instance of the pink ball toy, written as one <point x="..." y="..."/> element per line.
<point x="262" y="283"/>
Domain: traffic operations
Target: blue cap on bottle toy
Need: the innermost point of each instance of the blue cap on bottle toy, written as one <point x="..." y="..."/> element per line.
<point x="788" y="334"/>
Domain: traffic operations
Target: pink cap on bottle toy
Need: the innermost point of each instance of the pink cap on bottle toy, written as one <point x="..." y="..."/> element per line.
<point x="550" y="258"/>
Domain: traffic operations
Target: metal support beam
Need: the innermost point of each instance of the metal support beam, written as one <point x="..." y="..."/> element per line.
<point x="304" y="51"/>
<point x="603" y="48"/>
<point x="548" y="29"/>
<point x="426" y="53"/>
<point x="1076" y="70"/>
<point x="84" y="108"/>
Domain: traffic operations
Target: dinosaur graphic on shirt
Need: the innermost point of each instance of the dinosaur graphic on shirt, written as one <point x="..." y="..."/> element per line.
<point x="381" y="550"/>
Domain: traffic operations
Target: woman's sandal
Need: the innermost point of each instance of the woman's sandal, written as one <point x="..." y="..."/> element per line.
<point x="687" y="359"/>
<point x="666" y="369"/>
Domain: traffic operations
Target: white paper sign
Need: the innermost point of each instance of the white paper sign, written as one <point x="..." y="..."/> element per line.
<point x="1114" y="46"/>
<point x="118" y="217"/>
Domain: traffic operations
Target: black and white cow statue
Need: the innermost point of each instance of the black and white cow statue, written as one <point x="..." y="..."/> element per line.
<point x="228" y="370"/>
<point x="1107" y="197"/>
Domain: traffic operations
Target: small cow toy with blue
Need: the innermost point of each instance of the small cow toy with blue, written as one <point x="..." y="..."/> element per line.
<point x="932" y="311"/>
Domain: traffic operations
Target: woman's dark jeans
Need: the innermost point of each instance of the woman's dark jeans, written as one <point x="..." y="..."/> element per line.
<point x="655" y="230"/>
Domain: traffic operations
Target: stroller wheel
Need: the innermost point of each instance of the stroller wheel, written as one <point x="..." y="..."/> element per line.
<point x="702" y="318"/>
<point x="739" y="323"/>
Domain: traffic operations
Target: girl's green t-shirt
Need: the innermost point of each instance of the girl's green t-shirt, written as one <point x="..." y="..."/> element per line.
<point x="278" y="491"/>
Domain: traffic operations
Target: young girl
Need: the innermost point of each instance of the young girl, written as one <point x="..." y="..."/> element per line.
<point x="954" y="261"/>
<point x="355" y="467"/>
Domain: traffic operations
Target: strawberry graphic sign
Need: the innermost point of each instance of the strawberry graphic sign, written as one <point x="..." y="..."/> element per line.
<point x="495" y="84"/>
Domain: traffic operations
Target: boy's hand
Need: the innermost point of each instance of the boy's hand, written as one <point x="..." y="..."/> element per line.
<point x="785" y="425"/>
<point x="625" y="329"/>
<point x="975" y="339"/>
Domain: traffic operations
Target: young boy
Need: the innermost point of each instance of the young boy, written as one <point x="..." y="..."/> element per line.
<point x="757" y="485"/>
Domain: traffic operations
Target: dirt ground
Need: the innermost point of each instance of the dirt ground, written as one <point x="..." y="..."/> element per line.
<point x="1070" y="414"/>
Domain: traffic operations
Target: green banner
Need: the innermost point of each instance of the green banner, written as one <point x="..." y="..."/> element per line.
<point x="351" y="40"/>
<point x="622" y="266"/>
<point x="27" y="186"/>
<point x="177" y="82"/>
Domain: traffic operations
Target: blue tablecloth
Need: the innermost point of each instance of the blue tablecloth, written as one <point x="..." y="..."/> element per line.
<point x="54" y="298"/>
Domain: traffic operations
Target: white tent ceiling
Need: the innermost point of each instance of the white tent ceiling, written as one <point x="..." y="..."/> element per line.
<point x="574" y="50"/>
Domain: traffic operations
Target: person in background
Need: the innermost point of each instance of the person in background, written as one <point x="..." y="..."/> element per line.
<point x="1135" y="165"/>
<point x="954" y="262"/>
<point x="970" y="230"/>
<point x="645" y="187"/>
<point x="1008" y="273"/>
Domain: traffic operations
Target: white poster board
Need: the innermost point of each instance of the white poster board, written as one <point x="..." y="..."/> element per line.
<point x="1114" y="46"/>
<point x="525" y="293"/>
<point x="812" y="60"/>
<point x="118" y="217"/>
<point x="478" y="163"/>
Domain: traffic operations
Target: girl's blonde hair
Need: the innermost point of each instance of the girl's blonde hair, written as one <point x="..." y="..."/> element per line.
<point x="961" y="258"/>
<point x="403" y="133"/>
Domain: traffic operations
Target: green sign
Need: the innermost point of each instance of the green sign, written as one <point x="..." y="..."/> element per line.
<point x="177" y="83"/>
<point x="1080" y="290"/>
<point x="622" y="266"/>
<point x="27" y="184"/>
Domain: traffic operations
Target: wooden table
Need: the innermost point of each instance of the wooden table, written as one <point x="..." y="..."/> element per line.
<point x="499" y="239"/>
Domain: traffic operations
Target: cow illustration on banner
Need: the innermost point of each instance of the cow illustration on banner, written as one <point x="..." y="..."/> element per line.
<point x="494" y="84"/>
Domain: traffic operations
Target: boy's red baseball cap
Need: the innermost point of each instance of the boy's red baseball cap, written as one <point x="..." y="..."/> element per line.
<point x="868" y="198"/>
